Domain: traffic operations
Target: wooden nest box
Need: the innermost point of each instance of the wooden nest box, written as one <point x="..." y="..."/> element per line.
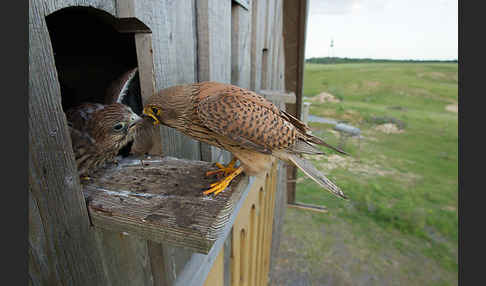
<point x="146" y="222"/>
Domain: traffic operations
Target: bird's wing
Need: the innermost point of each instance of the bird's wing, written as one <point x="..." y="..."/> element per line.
<point x="120" y="87"/>
<point x="246" y="118"/>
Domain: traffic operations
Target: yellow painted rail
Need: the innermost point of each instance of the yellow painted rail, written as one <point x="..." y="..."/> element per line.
<point x="251" y="238"/>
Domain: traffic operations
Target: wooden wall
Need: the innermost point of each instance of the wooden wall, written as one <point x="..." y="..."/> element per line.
<point x="190" y="41"/>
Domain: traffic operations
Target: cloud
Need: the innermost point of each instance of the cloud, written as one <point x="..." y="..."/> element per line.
<point x="334" y="7"/>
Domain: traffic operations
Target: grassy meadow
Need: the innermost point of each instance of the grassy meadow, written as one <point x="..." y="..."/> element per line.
<point x="400" y="225"/>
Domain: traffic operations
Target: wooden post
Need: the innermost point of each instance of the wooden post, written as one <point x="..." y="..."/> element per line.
<point x="295" y="22"/>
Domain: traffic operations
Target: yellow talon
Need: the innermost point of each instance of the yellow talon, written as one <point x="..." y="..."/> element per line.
<point x="227" y="170"/>
<point x="220" y="186"/>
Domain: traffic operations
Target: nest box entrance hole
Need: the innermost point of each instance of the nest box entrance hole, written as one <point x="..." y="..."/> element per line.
<point x="91" y="54"/>
<point x="96" y="56"/>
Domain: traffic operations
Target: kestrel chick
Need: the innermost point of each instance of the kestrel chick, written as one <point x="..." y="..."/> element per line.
<point x="252" y="128"/>
<point x="98" y="132"/>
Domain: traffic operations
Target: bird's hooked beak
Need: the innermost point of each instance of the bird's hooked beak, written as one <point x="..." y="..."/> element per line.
<point x="134" y="120"/>
<point x="152" y="113"/>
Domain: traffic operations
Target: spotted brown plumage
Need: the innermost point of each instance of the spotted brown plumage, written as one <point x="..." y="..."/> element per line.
<point x="98" y="132"/>
<point x="252" y="128"/>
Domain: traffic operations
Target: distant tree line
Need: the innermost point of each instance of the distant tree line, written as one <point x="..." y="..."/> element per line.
<point x="332" y="60"/>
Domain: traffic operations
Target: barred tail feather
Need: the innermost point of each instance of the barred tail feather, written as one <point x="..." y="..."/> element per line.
<point x="319" y="141"/>
<point x="316" y="175"/>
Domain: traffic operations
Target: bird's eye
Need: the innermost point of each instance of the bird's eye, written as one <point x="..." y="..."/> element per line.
<point x="119" y="126"/>
<point x="155" y="110"/>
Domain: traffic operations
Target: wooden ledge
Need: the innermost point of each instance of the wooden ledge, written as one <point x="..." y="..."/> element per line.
<point x="278" y="96"/>
<point x="162" y="201"/>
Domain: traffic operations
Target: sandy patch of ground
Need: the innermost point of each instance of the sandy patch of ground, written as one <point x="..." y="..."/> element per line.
<point x="324" y="97"/>
<point x="433" y="75"/>
<point x="371" y="84"/>
<point x="450" y="208"/>
<point x="452" y="108"/>
<point x="388" y="128"/>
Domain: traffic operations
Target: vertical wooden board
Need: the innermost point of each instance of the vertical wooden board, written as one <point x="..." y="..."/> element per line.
<point x="267" y="58"/>
<point x="125" y="258"/>
<point x="294" y="27"/>
<point x="60" y="212"/>
<point x="281" y="64"/>
<point x="260" y="232"/>
<point x="277" y="38"/>
<point x="235" y="255"/>
<point x="280" y="206"/>
<point x="173" y="44"/>
<point x="143" y="44"/>
<point x="257" y="36"/>
<point x="252" y="242"/>
<point x="182" y="68"/>
<point x="240" y="46"/>
<point x="183" y="37"/>
<point x="175" y="260"/>
<point x="157" y="263"/>
<point x="228" y="259"/>
<point x="265" y="230"/>
<point x="214" y="40"/>
<point x="39" y="270"/>
<point x="216" y="275"/>
<point x="269" y="224"/>
<point x="214" y="55"/>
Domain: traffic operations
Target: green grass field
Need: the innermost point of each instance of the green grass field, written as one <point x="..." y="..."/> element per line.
<point x="400" y="226"/>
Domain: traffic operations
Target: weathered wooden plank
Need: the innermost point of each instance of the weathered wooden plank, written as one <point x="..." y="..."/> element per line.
<point x="182" y="65"/>
<point x="277" y="40"/>
<point x="257" y="36"/>
<point x="279" y="213"/>
<point x="176" y="259"/>
<point x="125" y="258"/>
<point x="267" y="59"/>
<point x="214" y="55"/>
<point x="174" y="60"/>
<point x="157" y="263"/>
<point x="240" y="46"/>
<point x="294" y="27"/>
<point x="38" y="249"/>
<point x="162" y="201"/>
<point x="143" y="44"/>
<point x="67" y="249"/>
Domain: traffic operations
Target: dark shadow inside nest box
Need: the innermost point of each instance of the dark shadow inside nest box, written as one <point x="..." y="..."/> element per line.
<point x="93" y="53"/>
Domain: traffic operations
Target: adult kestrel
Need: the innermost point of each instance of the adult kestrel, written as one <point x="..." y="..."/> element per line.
<point x="244" y="123"/>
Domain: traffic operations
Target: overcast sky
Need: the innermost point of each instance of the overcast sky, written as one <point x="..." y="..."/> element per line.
<point x="385" y="29"/>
